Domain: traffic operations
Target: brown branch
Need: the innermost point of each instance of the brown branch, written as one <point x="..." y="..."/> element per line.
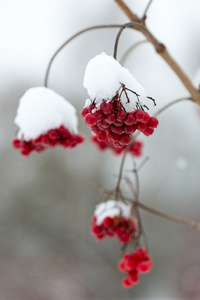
<point x="167" y="216"/>
<point x="161" y="50"/>
<point x="69" y="40"/>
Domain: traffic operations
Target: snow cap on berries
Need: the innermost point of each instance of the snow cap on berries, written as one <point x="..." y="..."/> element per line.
<point x="103" y="78"/>
<point x="111" y="208"/>
<point x="41" y="109"/>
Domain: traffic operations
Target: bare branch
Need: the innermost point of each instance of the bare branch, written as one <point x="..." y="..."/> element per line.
<point x="68" y="41"/>
<point x="168" y="216"/>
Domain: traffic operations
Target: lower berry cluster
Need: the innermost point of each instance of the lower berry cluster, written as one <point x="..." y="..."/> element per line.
<point x="54" y="137"/>
<point x="111" y="123"/>
<point x="133" y="264"/>
<point x="135" y="149"/>
<point x="118" y="226"/>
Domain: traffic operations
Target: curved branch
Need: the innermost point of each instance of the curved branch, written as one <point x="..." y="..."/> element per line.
<point x="69" y="40"/>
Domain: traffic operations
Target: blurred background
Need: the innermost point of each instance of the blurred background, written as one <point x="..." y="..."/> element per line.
<point x="47" y="200"/>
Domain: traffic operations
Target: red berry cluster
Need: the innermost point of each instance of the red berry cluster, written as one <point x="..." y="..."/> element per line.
<point x="61" y="136"/>
<point x="133" y="264"/>
<point x="111" y="227"/>
<point x="135" y="149"/>
<point x="113" y="124"/>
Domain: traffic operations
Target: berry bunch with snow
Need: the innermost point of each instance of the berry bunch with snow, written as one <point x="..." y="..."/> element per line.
<point x="135" y="149"/>
<point x="113" y="218"/>
<point x="45" y="119"/>
<point x="133" y="264"/>
<point x="115" y="109"/>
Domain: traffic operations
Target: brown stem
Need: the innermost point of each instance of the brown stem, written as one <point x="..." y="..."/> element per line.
<point x="167" y="216"/>
<point x="170" y="104"/>
<point x="68" y="41"/>
<point x="161" y="50"/>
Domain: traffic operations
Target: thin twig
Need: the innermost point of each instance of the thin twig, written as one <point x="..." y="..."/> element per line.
<point x="170" y="104"/>
<point x="68" y="41"/>
<point x="168" y="216"/>
<point x="146" y="9"/>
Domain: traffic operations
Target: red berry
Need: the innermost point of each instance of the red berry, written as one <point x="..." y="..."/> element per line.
<point x="146" y="117"/>
<point x="90" y="119"/>
<point x="124" y="139"/>
<point x="110" y="118"/>
<point x="106" y="107"/>
<point x="129" y="129"/>
<point x="139" y="115"/>
<point x="141" y="126"/>
<point x="53" y="134"/>
<point x="130" y="119"/>
<point x="148" y="131"/>
<point x="16" y="143"/>
<point x="121" y="115"/>
<point x="116" y="129"/>
<point x="84" y="112"/>
<point x="153" y="122"/>
<point x="100" y="116"/>
<point x="127" y="282"/>
<point x="101" y="136"/>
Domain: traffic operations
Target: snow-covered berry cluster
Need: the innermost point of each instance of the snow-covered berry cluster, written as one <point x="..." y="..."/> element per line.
<point x="54" y="137"/>
<point x="45" y="120"/>
<point x="133" y="264"/>
<point x="112" y="219"/>
<point x="135" y="149"/>
<point x="115" y="109"/>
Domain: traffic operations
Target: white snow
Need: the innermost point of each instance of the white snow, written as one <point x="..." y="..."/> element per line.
<point x="41" y="109"/>
<point x="111" y="208"/>
<point x="103" y="78"/>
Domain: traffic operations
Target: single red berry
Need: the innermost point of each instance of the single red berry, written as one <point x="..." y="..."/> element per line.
<point x="106" y="107"/>
<point x="127" y="282"/>
<point x="146" y="117"/>
<point x="110" y="118"/>
<point x="117" y="105"/>
<point x="130" y="119"/>
<point x="121" y="115"/>
<point x="124" y="139"/>
<point x="139" y="115"/>
<point x="16" y="143"/>
<point x="101" y="136"/>
<point x="129" y="129"/>
<point x="53" y="134"/>
<point x="90" y="119"/>
<point x="134" y="276"/>
<point x="153" y="122"/>
<point x="116" y="129"/>
<point x="84" y="112"/>
<point x="141" y="127"/>
<point x="100" y="116"/>
<point x="148" y="131"/>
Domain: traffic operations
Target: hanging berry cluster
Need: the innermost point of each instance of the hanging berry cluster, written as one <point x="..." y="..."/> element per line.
<point x="115" y="109"/>
<point x="135" y="149"/>
<point x="54" y="137"/>
<point x="45" y="120"/>
<point x="112" y="124"/>
<point x="133" y="264"/>
<point x="114" y="219"/>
